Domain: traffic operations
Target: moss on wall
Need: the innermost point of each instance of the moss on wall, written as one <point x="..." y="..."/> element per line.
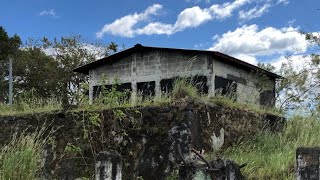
<point x="139" y="135"/>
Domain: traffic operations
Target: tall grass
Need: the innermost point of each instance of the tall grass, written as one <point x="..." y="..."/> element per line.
<point x="30" y="106"/>
<point x="184" y="88"/>
<point x="21" y="157"/>
<point x="272" y="156"/>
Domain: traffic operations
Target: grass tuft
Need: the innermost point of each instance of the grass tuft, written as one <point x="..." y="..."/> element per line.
<point x="183" y="88"/>
<point x="21" y="157"/>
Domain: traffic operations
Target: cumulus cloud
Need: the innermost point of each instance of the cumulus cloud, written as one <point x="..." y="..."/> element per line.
<point x="254" y="12"/>
<point x="299" y="62"/>
<point x="225" y="10"/>
<point x="125" y="26"/>
<point x="192" y="17"/>
<point x="188" y="18"/>
<point x="50" y="12"/>
<point x="251" y="41"/>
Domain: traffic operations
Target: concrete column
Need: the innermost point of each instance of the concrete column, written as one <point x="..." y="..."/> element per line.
<point x="90" y="88"/>
<point x="212" y="80"/>
<point x="10" y="82"/>
<point x="108" y="166"/>
<point x="134" y="92"/>
<point x="133" y="78"/>
<point x="307" y="163"/>
<point x="158" y="88"/>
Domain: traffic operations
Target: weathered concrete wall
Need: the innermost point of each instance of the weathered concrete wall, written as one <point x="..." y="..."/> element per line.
<point x="246" y="92"/>
<point x="157" y="65"/>
<point x="145" y="138"/>
<point x="151" y="66"/>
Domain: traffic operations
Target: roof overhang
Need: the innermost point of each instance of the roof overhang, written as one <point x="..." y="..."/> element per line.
<point x="139" y="48"/>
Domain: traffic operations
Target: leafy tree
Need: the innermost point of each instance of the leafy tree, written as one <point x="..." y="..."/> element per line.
<point x="69" y="53"/>
<point x="8" y="47"/>
<point x="45" y="66"/>
<point x="300" y="88"/>
<point x="35" y="71"/>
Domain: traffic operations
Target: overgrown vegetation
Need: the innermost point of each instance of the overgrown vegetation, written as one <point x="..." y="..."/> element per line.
<point x="272" y="155"/>
<point x="21" y="157"/>
<point x="30" y="104"/>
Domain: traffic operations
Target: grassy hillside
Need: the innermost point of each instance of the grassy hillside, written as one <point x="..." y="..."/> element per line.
<point x="272" y="156"/>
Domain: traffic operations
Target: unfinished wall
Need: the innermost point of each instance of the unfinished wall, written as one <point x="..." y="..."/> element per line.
<point x="249" y="84"/>
<point x="151" y="66"/>
<point x="165" y="65"/>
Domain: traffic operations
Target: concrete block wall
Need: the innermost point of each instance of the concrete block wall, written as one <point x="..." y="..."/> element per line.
<point x="248" y="92"/>
<point x="157" y="65"/>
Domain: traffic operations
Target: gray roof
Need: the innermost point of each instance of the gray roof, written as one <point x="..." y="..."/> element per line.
<point x="139" y="48"/>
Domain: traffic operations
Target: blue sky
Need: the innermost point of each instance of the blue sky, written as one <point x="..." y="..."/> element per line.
<point x="252" y="30"/>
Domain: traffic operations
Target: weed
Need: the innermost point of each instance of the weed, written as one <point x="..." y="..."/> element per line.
<point x="21" y="157"/>
<point x="183" y="88"/>
<point x="272" y="156"/>
<point x="71" y="148"/>
<point x="94" y="119"/>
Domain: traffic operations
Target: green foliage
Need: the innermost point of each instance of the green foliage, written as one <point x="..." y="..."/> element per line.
<point x="8" y="47"/>
<point x="173" y="176"/>
<point x="272" y="155"/>
<point x="21" y="158"/>
<point x="119" y="114"/>
<point x="94" y="119"/>
<point x="34" y="71"/>
<point x="71" y="148"/>
<point x="111" y="97"/>
<point x="184" y="88"/>
<point x="46" y="66"/>
<point x="28" y="103"/>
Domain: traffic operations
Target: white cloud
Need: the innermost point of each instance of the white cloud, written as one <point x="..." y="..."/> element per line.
<point x="254" y="12"/>
<point x="299" y="62"/>
<point x="50" y="12"/>
<point x="225" y="10"/>
<point x="192" y="17"/>
<point x="250" y="41"/>
<point x="125" y="26"/>
<point x="155" y="28"/>
<point x="285" y="2"/>
<point x="198" y="1"/>
<point x="188" y="18"/>
<point x="247" y="58"/>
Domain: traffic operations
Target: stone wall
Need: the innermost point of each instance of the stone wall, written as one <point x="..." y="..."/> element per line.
<point x="146" y="138"/>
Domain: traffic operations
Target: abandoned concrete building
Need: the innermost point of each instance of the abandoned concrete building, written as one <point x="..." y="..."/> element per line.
<point x="153" y="70"/>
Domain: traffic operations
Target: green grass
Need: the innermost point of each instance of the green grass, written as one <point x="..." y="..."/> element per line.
<point x="21" y="157"/>
<point x="31" y="106"/>
<point x="272" y="156"/>
<point x="224" y="101"/>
